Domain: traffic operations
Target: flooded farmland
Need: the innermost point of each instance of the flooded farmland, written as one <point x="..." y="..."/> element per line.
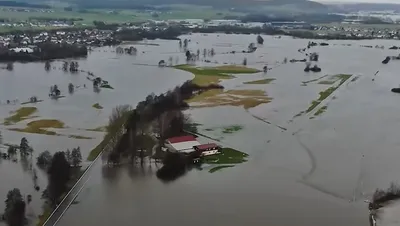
<point x="304" y="168"/>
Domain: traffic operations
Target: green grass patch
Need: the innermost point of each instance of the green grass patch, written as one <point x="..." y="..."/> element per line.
<point x="232" y="129"/>
<point x="78" y="137"/>
<point x="227" y="156"/>
<point x="313" y="80"/>
<point x="20" y="115"/>
<point x="116" y="16"/>
<point x="326" y="93"/>
<point x="326" y="82"/>
<point x="98" y="129"/>
<point x="107" y="86"/>
<point x="97" y="106"/>
<point x="217" y="168"/>
<point x="262" y="81"/>
<point x="321" y="110"/>
<point x="97" y="150"/>
<point x="208" y="75"/>
<point x="46" y="214"/>
<point x="40" y="126"/>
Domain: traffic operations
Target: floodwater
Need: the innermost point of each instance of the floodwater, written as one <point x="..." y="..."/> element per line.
<point x="314" y="172"/>
<point x="131" y="85"/>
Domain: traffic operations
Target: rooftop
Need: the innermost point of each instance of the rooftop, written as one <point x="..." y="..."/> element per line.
<point x="206" y="146"/>
<point x="181" y="139"/>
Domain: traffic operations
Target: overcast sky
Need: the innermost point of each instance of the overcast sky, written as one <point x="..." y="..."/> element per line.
<point x="369" y="1"/>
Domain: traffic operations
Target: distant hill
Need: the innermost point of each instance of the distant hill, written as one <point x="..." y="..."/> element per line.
<point x="354" y="7"/>
<point x="114" y="4"/>
<point x="295" y="5"/>
<point x="26" y="4"/>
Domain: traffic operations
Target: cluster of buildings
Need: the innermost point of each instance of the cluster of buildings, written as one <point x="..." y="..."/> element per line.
<point x="35" y="24"/>
<point x="199" y="23"/>
<point x="189" y="144"/>
<point x="358" y="31"/>
<point x="26" y="10"/>
<point x="27" y="42"/>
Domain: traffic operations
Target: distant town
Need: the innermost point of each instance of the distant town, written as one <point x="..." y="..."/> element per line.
<point x="24" y="37"/>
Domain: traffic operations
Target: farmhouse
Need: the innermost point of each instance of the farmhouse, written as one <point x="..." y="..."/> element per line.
<point x="182" y="144"/>
<point x="189" y="144"/>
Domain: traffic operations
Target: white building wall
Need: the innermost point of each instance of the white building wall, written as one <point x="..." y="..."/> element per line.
<point x="211" y="152"/>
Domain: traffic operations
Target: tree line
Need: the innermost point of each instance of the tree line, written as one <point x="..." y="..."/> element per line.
<point x="59" y="168"/>
<point x="161" y="114"/>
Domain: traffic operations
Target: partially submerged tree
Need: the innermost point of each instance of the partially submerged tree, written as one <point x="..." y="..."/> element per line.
<point x="65" y="66"/>
<point x="44" y="159"/>
<point x="260" y="40"/>
<point x="24" y="147"/>
<point x="71" y="88"/>
<point x="10" y="66"/>
<point x="14" y="213"/>
<point x="68" y="156"/>
<point x="76" y="157"/>
<point x="47" y="65"/>
<point x="74" y="66"/>
<point x="59" y="175"/>
<point x="11" y="151"/>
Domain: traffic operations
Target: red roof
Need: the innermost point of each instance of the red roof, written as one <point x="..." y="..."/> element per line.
<point x="173" y="140"/>
<point x="206" y="146"/>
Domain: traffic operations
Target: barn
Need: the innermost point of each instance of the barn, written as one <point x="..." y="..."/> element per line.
<point x="183" y="144"/>
<point x="207" y="149"/>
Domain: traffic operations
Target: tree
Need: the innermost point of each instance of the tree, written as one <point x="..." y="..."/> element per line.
<point x="59" y="175"/>
<point x="1" y="138"/>
<point x="76" y="156"/>
<point x="71" y="88"/>
<point x="68" y="156"/>
<point x="188" y="55"/>
<point x="24" y="146"/>
<point x="10" y="66"/>
<point x="65" y="66"/>
<point x="44" y="159"/>
<point x="47" y="66"/>
<point x="11" y="151"/>
<point x="14" y="213"/>
<point x="73" y="67"/>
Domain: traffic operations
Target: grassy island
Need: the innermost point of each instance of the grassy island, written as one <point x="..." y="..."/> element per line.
<point x="20" y="115"/>
<point x="40" y="126"/>
<point x="212" y="98"/>
<point x="262" y="81"/>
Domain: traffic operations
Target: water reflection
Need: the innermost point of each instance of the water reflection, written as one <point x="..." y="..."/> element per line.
<point x="26" y="163"/>
<point x="110" y="173"/>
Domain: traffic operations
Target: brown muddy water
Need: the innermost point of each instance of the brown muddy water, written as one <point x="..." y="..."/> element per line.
<point x="313" y="172"/>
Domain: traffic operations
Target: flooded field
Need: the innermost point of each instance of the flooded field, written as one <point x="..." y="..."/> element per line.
<point x="76" y="111"/>
<point x="310" y="163"/>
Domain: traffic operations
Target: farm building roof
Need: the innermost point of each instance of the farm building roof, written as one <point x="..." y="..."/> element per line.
<point x="173" y="140"/>
<point x="206" y="146"/>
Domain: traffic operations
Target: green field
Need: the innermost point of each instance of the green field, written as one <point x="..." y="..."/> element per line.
<point x="114" y="16"/>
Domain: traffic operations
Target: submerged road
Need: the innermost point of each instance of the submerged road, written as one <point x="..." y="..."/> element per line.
<point x="68" y="200"/>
